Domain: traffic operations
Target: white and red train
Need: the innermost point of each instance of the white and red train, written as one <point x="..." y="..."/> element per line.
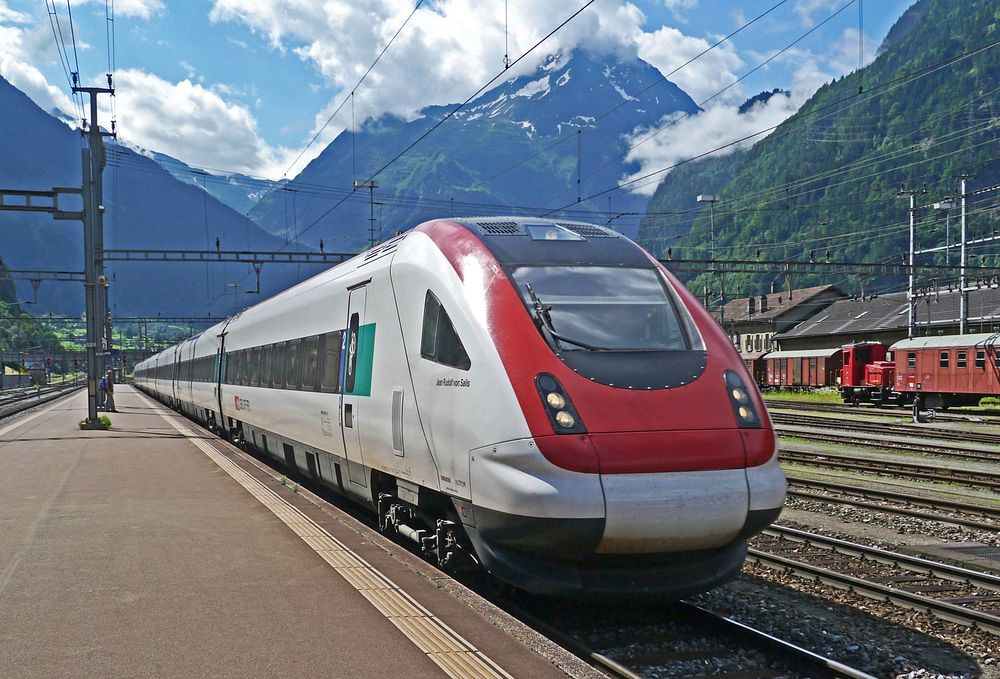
<point x="542" y="396"/>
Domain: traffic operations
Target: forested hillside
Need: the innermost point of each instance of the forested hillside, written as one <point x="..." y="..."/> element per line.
<point x="923" y="113"/>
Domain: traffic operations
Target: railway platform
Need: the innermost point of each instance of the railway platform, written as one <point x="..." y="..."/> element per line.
<point x="155" y="549"/>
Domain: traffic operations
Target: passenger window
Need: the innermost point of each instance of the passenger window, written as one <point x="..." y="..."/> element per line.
<point x="980" y="358"/>
<point x="960" y="359"/>
<point x="439" y="342"/>
<point x="310" y="360"/>
<point x="255" y="366"/>
<point x="944" y="359"/>
<point x="278" y="366"/>
<point x="911" y="359"/>
<point x="331" y="362"/>
<point x="265" y="366"/>
<point x="292" y="364"/>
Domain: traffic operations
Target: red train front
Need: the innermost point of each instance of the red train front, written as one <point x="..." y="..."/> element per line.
<point x="650" y="459"/>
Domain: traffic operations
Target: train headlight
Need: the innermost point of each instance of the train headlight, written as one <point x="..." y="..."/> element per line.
<point x="558" y="406"/>
<point x="739" y="399"/>
<point x="557" y="401"/>
<point x="565" y="419"/>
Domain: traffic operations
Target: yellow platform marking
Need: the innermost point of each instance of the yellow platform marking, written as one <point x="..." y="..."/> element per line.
<point x="448" y="649"/>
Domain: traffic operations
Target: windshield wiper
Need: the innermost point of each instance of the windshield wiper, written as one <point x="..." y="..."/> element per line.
<point x="543" y="317"/>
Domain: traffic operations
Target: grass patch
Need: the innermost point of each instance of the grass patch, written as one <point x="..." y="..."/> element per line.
<point x="805" y="395"/>
<point x="103" y="419"/>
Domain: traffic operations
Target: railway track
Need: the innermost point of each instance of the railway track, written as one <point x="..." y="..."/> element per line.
<point x="16" y="400"/>
<point x="819" y="406"/>
<point x="929" y="472"/>
<point x="926" y="446"/>
<point x="680" y="640"/>
<point x="661" y="638"/>
<point x="885" y="428"/>
<point x="948" y="592"/>
<point x="943" y="510"/>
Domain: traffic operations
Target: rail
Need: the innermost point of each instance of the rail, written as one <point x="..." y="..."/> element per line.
<point x="941" y="607"/>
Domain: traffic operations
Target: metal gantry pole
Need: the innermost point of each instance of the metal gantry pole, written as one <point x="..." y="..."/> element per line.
<point x="95" y="282"/>
<point x="911" y="320"/>
<point x="963" y="294"/>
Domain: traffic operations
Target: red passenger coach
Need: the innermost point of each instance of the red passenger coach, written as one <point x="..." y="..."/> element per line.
<point x="951" y="370"/>
<point x="803" y="368"/>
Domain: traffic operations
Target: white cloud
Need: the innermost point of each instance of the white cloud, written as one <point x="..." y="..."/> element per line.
<point x="13" y="16"/>
<point x="667" y="48"/>
<point x="193" y="123"/>
<point x="446" y="52"/>
<point x="135" y="9"/>
<point x="715" y="127"/>
<point x="806" y="8"/>
<point x="20" y="50"/>
<point x="682" y="138"/>
<point x="681" y="4"/>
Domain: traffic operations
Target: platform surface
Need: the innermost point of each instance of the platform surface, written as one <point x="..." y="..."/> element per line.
<point x="154" y="550"/>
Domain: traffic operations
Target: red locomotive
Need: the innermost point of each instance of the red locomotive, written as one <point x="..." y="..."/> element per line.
<point x="868" y="375"/>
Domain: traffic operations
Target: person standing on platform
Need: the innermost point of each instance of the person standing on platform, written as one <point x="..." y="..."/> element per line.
<point x="109" y="392"/>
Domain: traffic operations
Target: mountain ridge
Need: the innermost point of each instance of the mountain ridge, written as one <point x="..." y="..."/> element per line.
<point x="516" y="124"/>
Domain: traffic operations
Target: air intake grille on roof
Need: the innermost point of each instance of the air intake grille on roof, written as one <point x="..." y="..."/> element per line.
<point x="590" y="231"/>
<point x="501" y="228"/>
<point x="385" y="247"/>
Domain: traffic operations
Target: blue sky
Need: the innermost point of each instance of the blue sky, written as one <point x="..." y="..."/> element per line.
<point x="242" y="85"/>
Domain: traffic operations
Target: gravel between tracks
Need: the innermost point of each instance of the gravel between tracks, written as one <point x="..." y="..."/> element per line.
<point x="870" y="635"/>
<point x="901" y="525"/>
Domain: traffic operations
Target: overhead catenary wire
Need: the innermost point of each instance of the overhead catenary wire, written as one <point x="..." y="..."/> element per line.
<point x="478" y="206"/>
<point x="634" y="96"/>
<point x="799" y="117"/>
<point x="353" y="90"/>
<point x="60" y="42"/>
<point x="866" y="161"/>
<point x="452" y="113"/>
<point x="685" y="115"/>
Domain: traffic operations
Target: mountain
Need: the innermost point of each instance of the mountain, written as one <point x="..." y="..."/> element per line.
<point x="462" y="168"/>
<point x="827" y="178"/>
<point x="239" y="191"/>
<point x="145" y="208"/>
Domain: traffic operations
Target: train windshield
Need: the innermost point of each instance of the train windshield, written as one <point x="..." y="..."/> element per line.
<point x="594" y="308"/>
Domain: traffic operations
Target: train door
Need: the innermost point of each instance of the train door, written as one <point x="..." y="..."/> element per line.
<point x="175" y="377"/>
<point x="357" y="356"/>
<point x="189" y="374"/>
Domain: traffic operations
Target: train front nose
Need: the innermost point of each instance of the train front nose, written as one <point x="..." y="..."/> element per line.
<point x="672" y="491"/>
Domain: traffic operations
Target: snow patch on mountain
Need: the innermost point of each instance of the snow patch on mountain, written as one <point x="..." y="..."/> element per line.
<point x="526" y="125"/>
<point x="534" y="87"/>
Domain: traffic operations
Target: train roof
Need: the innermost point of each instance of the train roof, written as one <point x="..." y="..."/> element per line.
<point x="804" y="353"/>
<point x="522" y="240"/>
<point x="982" y="339"/>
